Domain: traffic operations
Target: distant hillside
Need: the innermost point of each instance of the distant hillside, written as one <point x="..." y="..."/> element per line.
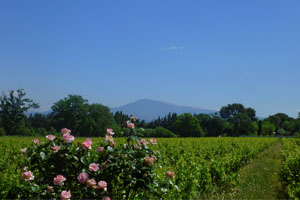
<point x="150" y="109"/>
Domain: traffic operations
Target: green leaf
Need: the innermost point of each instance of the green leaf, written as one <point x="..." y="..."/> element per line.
<point x="35" y="188"/>
<point x="83" y="160"/>
<point x="43" y="156"/>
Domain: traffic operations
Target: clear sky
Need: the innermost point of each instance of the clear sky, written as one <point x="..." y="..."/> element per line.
<point x="204" y="54"/>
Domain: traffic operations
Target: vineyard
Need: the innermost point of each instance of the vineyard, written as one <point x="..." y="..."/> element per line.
<point x="200" y="165"/>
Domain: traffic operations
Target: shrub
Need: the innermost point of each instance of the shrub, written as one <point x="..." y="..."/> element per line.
<point x="24" y="131"/>
<point x="2" y="132"/>
<point x="163" y="132"/>
<point x="59" y="168"/>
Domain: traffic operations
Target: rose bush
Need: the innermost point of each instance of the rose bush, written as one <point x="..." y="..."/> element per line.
<point x="60" y="169"/>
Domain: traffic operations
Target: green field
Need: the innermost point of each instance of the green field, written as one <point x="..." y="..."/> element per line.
<point x="204" y="167"/>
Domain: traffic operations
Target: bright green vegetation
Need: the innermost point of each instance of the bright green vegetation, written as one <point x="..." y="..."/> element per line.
<point x="259" y="179"/>
<point x="201" y="165"/>
<point x="290" y="173"/>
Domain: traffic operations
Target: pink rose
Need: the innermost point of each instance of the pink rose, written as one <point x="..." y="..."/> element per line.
<point x="102" y="185"/>
<point x="59" y="180"/>
<point x="106" y="198"/>
<point x="153" y="141"/>
<point x="110" y="131"/>
<point x="50" y="188"/>
<point x="91" y="183"/>
<point x="149" y="160"/>
<point x="65" y="195"/>
<point x="55" y="148"/>
<point x="50" y="137"/>
<point x="82" y="177"/>
<point x="68" y="138"/>
<point x="65" y="131"/>
<point x="87" y="144"/>
<point x="94" y="167"/>
<point x="110" y="140"/>
<point x="28" y="176"/>
<point x="36" y="141"/>
<point x="100" y="149"/>
<point x="170" y="174"/>
<point x="142" y="142"/>
<point x="130" y="125"/>
<point x="153" y="157"/>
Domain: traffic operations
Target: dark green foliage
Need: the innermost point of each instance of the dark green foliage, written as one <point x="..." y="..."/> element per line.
<point x="241" y="124"/>
<point x="231" y="110"/>
<point x="267" y="128"/>
<point x="2" y="132"/>
<point x="12" y="108"/>
<point x="188" y="125"/>
<point x="84" y="119"/>
<point x="163" y="132"/>
<point x="25" y="131"/>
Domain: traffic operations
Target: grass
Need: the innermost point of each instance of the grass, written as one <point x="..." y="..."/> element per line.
<point x="259" y="179"/>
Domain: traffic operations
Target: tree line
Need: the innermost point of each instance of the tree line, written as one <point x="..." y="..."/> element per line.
<point x="86" y="120"/>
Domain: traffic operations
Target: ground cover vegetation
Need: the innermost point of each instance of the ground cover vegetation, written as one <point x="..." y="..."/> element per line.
<point x="290" y="173"/>
<point x="92" y="120"/>
<point x="163" y="168"/>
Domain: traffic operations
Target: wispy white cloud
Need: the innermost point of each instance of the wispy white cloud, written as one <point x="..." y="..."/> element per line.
<point x="173" y="48"/>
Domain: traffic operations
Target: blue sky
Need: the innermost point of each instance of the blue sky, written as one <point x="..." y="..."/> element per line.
<point x="198" y="53"/>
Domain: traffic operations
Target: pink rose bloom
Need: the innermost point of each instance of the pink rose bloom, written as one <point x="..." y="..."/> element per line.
<point x="170" y="174"/>
<point x="110" y="131"/>
<point x="106" y="198"/>
<point x="23" y="150"/>
<point x="100" y="149"/>
<point x="153" y="141"/>
<point x="59" y="180"/>
<point x="142" y="142"/>
<point x="94" y="167"/>
<point x="87" y="144"/>
<point x="50" y="137"/>
<point x="153" y="157"/>
<point x="65" y="195"/>
<point x="102" y="185"/>
<point x="82" y="177"/>
<point x="110" y="140"/>
<point x="130" y="125"/>
<point x="91" y="183"/>
<point x="149" y="160"/>
<point x="28" y="176"/>
<point x="68" y="138"/>
<point x="65" y="131"/>
<point x="50" y="188"/>
<point x="36" y="141"/>
<point x="55" y="148"/>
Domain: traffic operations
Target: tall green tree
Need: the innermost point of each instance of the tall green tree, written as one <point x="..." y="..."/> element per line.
<point x="70" y="112"/>
<point x="188" y="125"/>
<point x="229" y="111"/>
<point x="241" y="124"/>
<point x="267" y="128"/>
<point x="12" y="110"/>
<point x="83" y="119"/>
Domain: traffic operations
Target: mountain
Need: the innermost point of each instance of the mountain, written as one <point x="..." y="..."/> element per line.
<point x="150" y="109"/>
